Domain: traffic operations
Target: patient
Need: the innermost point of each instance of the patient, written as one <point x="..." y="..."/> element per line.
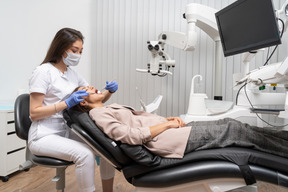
<point x="170" y="137"/>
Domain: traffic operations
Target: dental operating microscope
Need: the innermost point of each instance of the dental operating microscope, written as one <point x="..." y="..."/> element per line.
<point x="249" y="99"/>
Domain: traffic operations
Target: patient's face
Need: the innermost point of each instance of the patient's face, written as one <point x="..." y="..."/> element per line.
<point x="94" y="94"/>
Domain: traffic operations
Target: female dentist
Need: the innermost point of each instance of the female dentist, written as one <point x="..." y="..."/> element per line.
<point x="50" y="87"/>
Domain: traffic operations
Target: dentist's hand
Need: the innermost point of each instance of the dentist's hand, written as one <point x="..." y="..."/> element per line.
<point x="75" y="98"/>
<point x="111" y="86"/>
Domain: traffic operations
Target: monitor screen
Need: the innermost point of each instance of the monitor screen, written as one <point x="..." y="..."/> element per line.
<point x="247" y="25"/>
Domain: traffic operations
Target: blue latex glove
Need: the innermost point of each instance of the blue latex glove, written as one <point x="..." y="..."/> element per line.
<point x="75" y="98"/>
<point x="112" y="86"/>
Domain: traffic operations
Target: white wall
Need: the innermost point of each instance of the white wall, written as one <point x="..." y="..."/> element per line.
<point x="27" y="29"/>
<point x="122" y="29"/>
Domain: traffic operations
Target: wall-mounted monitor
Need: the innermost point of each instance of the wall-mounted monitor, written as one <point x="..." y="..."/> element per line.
<point x="247" y="25"/>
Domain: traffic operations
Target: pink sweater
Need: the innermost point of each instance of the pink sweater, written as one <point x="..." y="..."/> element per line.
<point x="123" y="123"/>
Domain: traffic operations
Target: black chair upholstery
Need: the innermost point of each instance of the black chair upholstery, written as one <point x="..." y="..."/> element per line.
<point x="22" y="120"/>
<point x="232" y="162"/>
<point x="22" y="125"/>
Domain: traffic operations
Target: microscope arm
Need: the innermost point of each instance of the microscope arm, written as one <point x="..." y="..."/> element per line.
<point x="283" y="14"/>
<point x="196" y="15"/>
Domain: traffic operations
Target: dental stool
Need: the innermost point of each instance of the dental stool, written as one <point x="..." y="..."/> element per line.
<point x="22" y="125"/>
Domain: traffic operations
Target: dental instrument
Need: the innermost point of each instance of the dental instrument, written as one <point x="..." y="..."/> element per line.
<point x="152" y="107"/>
<point x="143" y="105"/>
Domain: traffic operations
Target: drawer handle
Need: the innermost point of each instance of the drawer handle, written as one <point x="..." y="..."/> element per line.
<point x="15" y="150"/>
<point x="10" y="122"/>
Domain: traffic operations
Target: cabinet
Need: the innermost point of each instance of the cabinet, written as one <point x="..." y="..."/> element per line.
<point x="12" y="148"/>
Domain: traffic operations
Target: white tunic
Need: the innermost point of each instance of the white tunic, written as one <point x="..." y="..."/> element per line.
<point x="56" y="86"/>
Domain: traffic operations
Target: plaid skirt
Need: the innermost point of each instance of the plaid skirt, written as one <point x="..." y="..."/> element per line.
<point x="232" y="133"/>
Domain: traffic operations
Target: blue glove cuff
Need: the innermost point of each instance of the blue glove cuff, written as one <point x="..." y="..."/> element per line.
<point x="68" y="106"/>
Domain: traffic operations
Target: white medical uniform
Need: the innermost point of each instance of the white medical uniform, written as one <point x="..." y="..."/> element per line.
<point x="52" y="137"/>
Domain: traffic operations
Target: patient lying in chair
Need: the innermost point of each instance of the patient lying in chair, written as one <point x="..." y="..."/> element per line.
<point x="170" y="137"/>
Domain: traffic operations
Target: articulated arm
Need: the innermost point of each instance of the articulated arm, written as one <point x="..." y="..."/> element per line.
<point x="283" y="14"/>
<point x="270" y="74"/>
<point x="196" y="15"/>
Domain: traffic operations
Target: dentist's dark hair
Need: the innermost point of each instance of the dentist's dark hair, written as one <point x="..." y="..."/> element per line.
<point x="62" y="41"/>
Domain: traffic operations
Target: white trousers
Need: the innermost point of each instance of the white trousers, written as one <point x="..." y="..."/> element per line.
<point x="72" y="148"/>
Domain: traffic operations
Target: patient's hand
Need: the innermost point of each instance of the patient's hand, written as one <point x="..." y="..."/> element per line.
<point x="177" y="121"/>
<point x="172" y="122"/>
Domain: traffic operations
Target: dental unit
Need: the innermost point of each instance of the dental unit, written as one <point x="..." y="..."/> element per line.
<point x="209" y="21"/>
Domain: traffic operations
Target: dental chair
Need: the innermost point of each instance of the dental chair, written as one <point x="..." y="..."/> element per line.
<point x="214" y="170"/>
<point x="22" y="125"/>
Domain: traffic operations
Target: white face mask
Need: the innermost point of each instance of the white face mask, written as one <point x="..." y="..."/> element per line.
<point x="72" y="59"/>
